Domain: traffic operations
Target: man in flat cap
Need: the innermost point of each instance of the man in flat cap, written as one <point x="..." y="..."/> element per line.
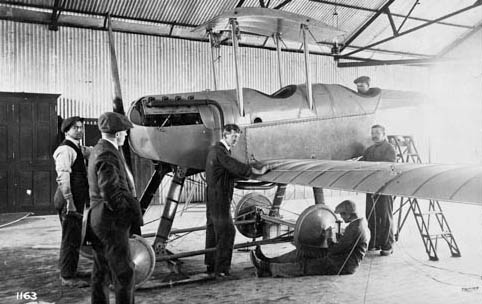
<point x="113" y="210"/>
<point x="71" y="196"/>
<point x="343" y="257"/>
<point x="362" y="84"/>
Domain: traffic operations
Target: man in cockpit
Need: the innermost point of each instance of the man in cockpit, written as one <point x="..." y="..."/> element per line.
<point x="362" y="84"/>
<point x="343" y="257"/>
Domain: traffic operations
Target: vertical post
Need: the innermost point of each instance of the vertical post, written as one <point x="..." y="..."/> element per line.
<point x="278" y="199"/>
<point x="278" y="53"/>
<point x="318" y="195"/>
<point x="239" y="88"/>
<point x="169" y="212"/>
<point x="309" y="92"/>
<point x="213" y="66"/>
<point x="117" y="100"/>
<point x="117" y="103"/>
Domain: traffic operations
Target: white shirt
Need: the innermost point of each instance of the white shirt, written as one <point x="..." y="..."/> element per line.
<point x="225" y="144"/>
<point x="64" y="157"/>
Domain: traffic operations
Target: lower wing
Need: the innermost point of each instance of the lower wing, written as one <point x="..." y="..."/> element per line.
<point x="455" y="183"/>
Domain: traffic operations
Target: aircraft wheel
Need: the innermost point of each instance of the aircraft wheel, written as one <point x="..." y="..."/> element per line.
<point x="314" y="227"/>
<point x="245" y="210"/>
<point x="142" y="255"/>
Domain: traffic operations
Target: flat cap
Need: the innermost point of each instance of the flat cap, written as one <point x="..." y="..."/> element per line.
<point x="362" y="79"/>
<point x="346" y="206"/>
<point x="111" y="122"/>
<point x="69" y="122"/>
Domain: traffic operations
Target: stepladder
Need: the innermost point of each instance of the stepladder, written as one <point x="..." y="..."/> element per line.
<point x="428" y="215"/>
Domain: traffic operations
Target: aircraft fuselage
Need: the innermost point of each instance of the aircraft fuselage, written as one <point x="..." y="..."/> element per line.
<point x="179" y="128"/>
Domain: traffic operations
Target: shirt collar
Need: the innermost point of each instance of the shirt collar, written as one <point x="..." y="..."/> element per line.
<point x="381" y="142"/>
<point x="225" y="144"/>
<point x="112" y="142"/>
<point x="75" y="141"/>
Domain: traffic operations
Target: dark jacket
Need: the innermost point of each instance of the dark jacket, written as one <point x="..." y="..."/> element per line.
<point x="382" y="151"/>
<point x="352" y="245"/>
<point x="221" y="171"/>
<point x="111" y="198"/>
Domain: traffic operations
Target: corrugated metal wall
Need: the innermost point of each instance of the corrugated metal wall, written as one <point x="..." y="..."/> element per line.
<point x="75" y="63"/>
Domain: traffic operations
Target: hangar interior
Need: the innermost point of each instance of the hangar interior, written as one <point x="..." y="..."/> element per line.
<point x="61" y="47"/>
<point x="55" y="63"/>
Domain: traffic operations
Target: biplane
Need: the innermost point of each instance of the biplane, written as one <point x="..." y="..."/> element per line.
<point x="306" y="131"/>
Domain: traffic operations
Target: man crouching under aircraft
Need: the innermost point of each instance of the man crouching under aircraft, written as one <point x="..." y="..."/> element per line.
<point x="343" y="257"/>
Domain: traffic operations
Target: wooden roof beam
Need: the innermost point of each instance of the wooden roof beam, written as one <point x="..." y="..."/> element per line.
<point x="361" y="8"/>
<point x="56" y="11"/>
<point x="365" y="25"/>
<point x="283" y="4"/>
<point x="478" y="3"/>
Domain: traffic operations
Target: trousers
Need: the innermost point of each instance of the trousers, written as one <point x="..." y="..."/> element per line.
<point x="112" y="261"/>
<point x="379" y="213"/>
<point x="70" y="244"/>
<point x="220" y="233"/>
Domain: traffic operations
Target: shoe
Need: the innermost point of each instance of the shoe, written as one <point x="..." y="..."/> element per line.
<point x="226" y="275"/>
<point x="83" y="274"/>
<point x="262" y="268"/>
<point x="211" y="275"/>
<point x="386" y="252"/>
<point x="260" y="255"/>
<point x="73" y="283"/>
<point x="373" y="248"/>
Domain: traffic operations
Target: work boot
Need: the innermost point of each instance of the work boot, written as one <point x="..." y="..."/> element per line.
<point x="83" y="274"/>
<point x="386" y="252"/>
<point x="260" y="255"/>
<point x="226" y="275"/>
<point x="262" y="268"/>
<point x="73" y="282"/>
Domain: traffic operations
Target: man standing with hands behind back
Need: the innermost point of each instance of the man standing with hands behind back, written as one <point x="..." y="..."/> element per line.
<point x="379" y="208"/>
<point x="221" y="171"/>
<point x="71" y="197"/>
<point x="114" y="209"/>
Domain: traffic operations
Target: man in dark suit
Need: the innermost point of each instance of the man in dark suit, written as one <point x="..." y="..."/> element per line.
<point x="114" y="209"/>
<point x="221" y="171"/>
<point x="71" y="197"/>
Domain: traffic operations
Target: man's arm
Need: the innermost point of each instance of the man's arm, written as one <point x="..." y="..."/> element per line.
<point x="346" y="242"/>
<point x="234" y="166"/>
<point x="365" y="155"/>
<point x="86" y="151"/>
<point x="64" y="157"/>
<point x="390" y="154"/>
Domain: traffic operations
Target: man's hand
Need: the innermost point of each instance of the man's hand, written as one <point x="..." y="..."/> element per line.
<point x="261" y="171"/>
<point x="70" y="209"/>
<point x="70" y="206"/>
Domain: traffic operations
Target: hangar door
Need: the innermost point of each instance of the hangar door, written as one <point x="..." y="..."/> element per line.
<point x="28" y="136"/>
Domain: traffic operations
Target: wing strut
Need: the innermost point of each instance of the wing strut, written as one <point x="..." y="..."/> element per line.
<point x="309" y="92"/>
<point x="239" y="88"/>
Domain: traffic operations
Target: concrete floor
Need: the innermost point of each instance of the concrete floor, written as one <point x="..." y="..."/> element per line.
<point x="29" y="253"/>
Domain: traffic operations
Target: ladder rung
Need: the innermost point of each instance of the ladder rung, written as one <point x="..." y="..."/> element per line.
<point x="438" y="235"/>
<point x="431" y="212"/>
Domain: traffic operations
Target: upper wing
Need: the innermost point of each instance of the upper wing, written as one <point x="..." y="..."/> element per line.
<point x="457" y="183"/>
